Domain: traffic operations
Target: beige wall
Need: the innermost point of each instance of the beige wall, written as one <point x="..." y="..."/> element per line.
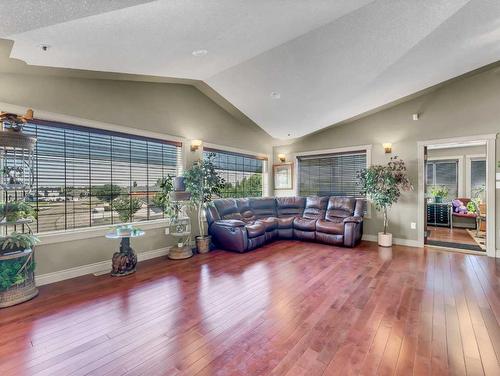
<point x="173" y="109"/>
<point x="470" y="106"/>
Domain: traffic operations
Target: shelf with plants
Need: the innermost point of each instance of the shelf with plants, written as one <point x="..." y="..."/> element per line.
<point x="17" y="242"/>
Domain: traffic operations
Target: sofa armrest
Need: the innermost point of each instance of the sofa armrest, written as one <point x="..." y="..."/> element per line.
<point x="230" y="234"/>
<point x="229" y="223"/>
<point x="353" y="219"/>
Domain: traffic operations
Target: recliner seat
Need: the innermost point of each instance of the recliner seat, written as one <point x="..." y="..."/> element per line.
<point x="243" y="224"/>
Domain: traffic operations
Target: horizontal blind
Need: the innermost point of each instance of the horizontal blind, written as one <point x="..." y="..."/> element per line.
<point x="478" y="176"/>
<point x="443" y="173"/>
<point x="331" y="175"/>
<point x="242" y="173"/>
<point x="81" y="174"/>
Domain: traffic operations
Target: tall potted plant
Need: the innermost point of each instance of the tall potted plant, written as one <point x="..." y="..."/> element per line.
<point x="203" y="182"/>
<point x="383" y="184"/>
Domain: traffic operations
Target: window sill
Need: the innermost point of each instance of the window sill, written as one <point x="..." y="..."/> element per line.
<point x="54" y="237"/>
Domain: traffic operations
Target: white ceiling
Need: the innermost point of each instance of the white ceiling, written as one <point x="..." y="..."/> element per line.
<point x="328" y="60"/>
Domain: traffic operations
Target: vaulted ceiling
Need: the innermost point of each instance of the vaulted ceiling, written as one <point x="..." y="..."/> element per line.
<point x="292" y="66"/>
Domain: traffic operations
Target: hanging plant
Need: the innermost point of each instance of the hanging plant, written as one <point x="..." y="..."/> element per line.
<point x="16" y="210"/>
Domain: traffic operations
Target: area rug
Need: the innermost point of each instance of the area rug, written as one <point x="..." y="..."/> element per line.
<point x="479" y="239"/>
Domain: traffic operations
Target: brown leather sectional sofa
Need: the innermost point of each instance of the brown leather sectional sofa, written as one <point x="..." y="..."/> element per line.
<point x="244" y="224"/>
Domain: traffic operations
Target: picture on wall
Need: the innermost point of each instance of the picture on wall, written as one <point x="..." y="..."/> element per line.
<point x="283" y="176"/>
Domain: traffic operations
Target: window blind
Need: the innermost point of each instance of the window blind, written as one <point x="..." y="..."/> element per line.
<point x="443" y="173"/>
<point x="242" y="173"/>
<point x="89" y="177"/>
<point x="331" y="175"/>
<point x="478" y="176"/>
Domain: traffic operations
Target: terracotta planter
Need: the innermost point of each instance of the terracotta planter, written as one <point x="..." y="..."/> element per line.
<point x="384" y="240"/>
<point x="203" y="243"/>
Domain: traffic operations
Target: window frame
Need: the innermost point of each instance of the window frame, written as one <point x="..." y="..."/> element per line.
<point x="469" y="158"/>
<point x="344" y="150"/>
<point x="460" y="170"/>
<point x="207" y="147"/>
<point x="58" y="236"/>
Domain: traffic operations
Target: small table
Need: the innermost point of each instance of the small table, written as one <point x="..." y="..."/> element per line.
<point x="124" y="261"/>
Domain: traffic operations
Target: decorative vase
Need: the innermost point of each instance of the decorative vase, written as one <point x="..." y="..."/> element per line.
<point x="384" y="240"/>
<point x="438" y="199"/>
<point x="203" y="243"/>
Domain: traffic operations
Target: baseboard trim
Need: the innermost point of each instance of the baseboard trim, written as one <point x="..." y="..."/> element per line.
<point x="398" y="241"/>
<point x="61" y="275"/>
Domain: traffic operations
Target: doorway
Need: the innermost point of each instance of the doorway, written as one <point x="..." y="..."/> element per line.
<point x="456" y="209"/>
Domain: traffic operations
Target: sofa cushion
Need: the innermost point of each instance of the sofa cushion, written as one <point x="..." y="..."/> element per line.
<point x="245" y="210"/>
<point x="328" y="227"/>
<point x="263" y="207"/>
<point x="290" y="206"/>
<point x="270" y="223"/>
<point x="255" y="229"/>
<point x="285" y="222"/>
<point x="340" y="207"/>
<point x="228" y="209"/>
<point x="304" y="224"/>
<point x="315" y="207"/>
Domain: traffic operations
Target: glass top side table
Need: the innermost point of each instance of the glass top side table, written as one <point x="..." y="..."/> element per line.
<point x="124" y="261"/>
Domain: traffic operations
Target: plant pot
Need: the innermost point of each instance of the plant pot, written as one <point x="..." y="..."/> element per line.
<point x="179" y="184"/>
<point x="438" y="199"/>
<point x="203" y="243"/>
<point x="384" y="240"/>
<point x="11" y="217"/>
<point x="11" y="250"/>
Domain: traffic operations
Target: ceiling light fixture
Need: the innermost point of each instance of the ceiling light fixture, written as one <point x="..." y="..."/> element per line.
<point x="44" y="47"/>
<point x="199" y="53"/>
<point x="275" y="95"/>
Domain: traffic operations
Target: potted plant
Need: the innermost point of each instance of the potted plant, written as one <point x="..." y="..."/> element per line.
<point x="383" y="184"/>
<point x="17" y="242"/>
<point x="203" y="183"/>
<point x="163" y="198"/>
<point x="16" y="210"/>
<point x="439" y="192"/>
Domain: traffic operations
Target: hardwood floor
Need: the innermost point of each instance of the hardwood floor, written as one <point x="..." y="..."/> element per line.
<point x="290" y="308"/>
<point x="455" y="235"/>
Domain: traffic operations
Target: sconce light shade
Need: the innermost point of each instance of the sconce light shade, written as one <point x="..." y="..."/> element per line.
<point x="387" y="147"/>
<point x="416" y="116"/>
<point x="282" y="157"/>
<point x="195" y="144"/>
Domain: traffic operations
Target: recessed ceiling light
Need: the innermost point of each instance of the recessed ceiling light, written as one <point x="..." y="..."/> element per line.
<point x="44" y="47"/>
<point x="275" y="95"/>
<point x="200" y="52"/>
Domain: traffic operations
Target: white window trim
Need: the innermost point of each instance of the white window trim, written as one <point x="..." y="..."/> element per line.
<point x="266" y="187"/>
<point x="347" y="149"/>
<point x="468" y="177"/>
<point x="460" y="170"/>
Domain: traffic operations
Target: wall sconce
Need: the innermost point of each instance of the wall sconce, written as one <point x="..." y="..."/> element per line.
<point x="195" y="144"/>
<point x="416" y="116"/>
<point x="282" y="158"/>
<point x="387" y="147"/>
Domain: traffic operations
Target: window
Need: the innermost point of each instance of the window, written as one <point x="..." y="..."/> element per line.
<point x="443" y="173"/>
<point x="242" y="173"/>
<point x="478" y="178"/>
<point x="331" y="175"/>
<point x="89" y="177"/>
